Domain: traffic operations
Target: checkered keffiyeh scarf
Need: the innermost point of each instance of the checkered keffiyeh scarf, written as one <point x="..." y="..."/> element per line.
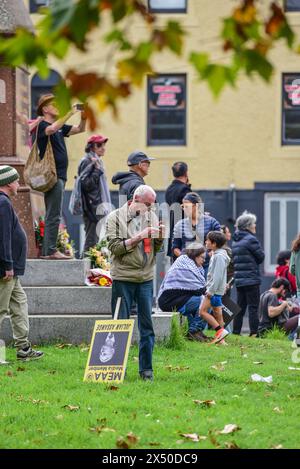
<point x="183" y="275"/>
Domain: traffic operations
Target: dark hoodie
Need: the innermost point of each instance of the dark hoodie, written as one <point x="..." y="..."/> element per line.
<point x="128" y="181"/>
<point x="247" y="255"/>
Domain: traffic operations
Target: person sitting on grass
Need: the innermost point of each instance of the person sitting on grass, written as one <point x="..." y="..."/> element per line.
<point x="275" y="312"/>
<point x="183" y="287"/>
<point x="216" y="284"/>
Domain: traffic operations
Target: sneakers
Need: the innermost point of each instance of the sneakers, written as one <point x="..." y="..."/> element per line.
<point x="29" y="354"/>
<point x="220" y="335"/>
<point x="147" y="375"/>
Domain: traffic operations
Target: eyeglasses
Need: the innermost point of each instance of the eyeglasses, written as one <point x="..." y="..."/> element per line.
<point x="99" y="145"/>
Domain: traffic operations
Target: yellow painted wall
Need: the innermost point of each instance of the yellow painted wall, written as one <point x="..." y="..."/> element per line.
<point x="236" y="139"/>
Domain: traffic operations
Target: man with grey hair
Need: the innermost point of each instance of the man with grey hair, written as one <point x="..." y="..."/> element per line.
<point x="247" y="256"/>
<point x="134" y="237"/>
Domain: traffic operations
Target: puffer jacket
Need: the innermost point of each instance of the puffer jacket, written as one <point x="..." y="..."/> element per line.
<point x="247" y="255"/>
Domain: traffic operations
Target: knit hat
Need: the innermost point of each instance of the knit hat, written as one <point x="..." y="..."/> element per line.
<point x="8" y="174"/>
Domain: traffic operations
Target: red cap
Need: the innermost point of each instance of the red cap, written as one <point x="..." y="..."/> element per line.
<point x="97" y="139"/>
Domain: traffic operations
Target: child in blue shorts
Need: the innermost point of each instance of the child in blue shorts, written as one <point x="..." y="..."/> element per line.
<point x="216" y="284"/>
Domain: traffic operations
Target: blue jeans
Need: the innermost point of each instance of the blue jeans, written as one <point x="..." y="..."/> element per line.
<point x="191" y="311"/>
<point x="142" y="294"/>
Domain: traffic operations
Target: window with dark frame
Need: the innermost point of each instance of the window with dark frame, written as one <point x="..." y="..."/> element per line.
<point x="35" y="5"/>
<point x="167" y="110"/>
<point x="290" y="109"/>
<point x="39" y="87"/>
<point x="292" y="5"/>
<point x="167" y="6"/>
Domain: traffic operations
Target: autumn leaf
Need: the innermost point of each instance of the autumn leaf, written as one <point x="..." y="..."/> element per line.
<point x="246" y="13"/>
<point x="101" y="429"/>
<point x="231" y="445"/>
<point x="71" y="408"/>
<point x="133" y="439"/>
<point x="127" y="442"/>
<point x="193" y="437"/>
<point x="213" y="439"/>
<point x="112" y="388"/>
<point x="230" y="428"/>
<point x="122" y="443"/>
<point x="205" y="403"/>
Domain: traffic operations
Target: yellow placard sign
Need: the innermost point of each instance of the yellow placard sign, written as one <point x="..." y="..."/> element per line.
<point x="109" y="351"/>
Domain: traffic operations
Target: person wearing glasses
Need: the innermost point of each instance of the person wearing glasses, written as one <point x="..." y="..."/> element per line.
<point x="135" y="235"/>
<point x="183" y="288"/>
<point x="94" y="188"/>
<point x="139" y="165"/>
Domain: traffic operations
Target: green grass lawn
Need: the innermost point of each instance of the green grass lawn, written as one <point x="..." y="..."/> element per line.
<point x="33" y="397"/>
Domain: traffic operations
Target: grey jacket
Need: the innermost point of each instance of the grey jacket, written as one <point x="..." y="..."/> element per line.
<point x="217" y="273"/>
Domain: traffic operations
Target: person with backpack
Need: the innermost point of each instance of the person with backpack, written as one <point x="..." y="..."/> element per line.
<point x="94" y="188"/>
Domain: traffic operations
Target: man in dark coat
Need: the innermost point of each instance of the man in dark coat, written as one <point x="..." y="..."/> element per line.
<point x="247" y="256"/>
<point x="13" y="250"/>
<point x="129" y="181"/>
<point x="94" y="187"/>
<point x="175" y="192"/>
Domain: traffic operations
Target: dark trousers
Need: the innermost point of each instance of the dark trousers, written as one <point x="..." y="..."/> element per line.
<point x="91" y="237"/>
<point x="142" y="293"/>
<point x="247" y="296"/>
<point x="53" y="204"/>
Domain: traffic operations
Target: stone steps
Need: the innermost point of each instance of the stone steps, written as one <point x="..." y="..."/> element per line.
<point x="55" y="273"/>
<point x="63" y="309"/>
<point x="78" y="329"/>
<point x="68" y="300"/>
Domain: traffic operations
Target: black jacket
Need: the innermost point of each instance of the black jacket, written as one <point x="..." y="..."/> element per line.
<point x="174" y="194"/>
<point x="13" y="239"/>
<point x="176" y="191"/>
<point x="91" y="188"/>
<point x="247" y="255"/>
<point x="128" y="181"/>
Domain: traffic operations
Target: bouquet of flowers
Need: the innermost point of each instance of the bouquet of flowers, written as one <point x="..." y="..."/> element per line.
<point x="99" y="274"/>
<point x="99" y="277"/>
<point x="64" y="244"/>
<point x="99" y="255"/>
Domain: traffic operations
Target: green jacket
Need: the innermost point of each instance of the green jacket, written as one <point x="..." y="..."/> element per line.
<point x="295" y="267"/>
<point x="130" y="264"/>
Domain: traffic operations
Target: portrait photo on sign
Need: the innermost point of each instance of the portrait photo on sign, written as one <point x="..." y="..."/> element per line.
<point x="109" y="348"/>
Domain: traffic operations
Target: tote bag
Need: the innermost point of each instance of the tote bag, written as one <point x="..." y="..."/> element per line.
<point x="40" y="174"/>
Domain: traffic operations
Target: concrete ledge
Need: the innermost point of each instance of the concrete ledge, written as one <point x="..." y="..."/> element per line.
<point x="68" y="300"/>
<point x="77" y="329"/>
<point x="55" y="273"/>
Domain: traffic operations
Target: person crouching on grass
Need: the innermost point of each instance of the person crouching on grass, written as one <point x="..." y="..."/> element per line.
<point x="216" y="284"/>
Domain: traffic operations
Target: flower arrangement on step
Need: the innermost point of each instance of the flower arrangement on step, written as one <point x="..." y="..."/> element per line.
<point x="99" y="274"/>
<point x="64" y="244"/>
<point x="99" y="255"/>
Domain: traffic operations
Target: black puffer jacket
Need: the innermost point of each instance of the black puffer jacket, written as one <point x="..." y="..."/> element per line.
<point x="247" y="255"/>
<point x="128" y="181"/>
